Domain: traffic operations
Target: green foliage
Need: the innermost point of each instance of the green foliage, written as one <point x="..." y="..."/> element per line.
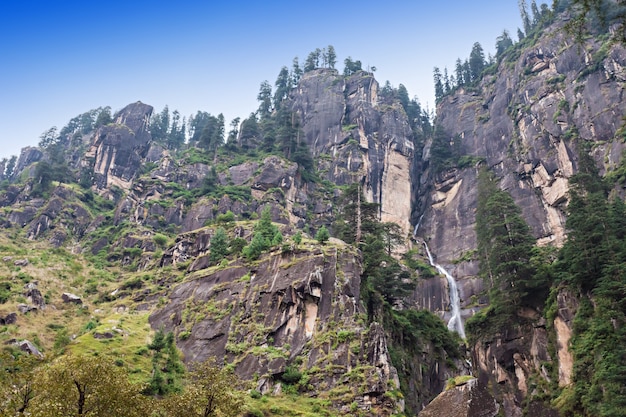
<point x="383" y="279"/>
<point x="227" y="217"/>
<point x="213" y="391"/>
<point x="167" y="367"/>
<point x="257" y="246"/>
<point x="505" y="247"/>
<point x="55" y="169"/>
<point x="297" y="238"/>
<point x="237" y="245"/>
<point x="445" y="151"/>
<point x="218" y="246"/>
<point x="291" y="375"/>
<point x="160" y="240"/>
<point x="322" y="235"/>
<point x="265" y="235"/>
<point x="592" y="263"/>
<point x="81" y="385"/>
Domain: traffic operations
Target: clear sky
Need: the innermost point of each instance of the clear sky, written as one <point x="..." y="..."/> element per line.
<point x="61" y="58"/>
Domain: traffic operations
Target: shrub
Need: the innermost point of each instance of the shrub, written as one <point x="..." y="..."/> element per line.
<point x="160" y="240"/>
<point x="322" y="235"/>
<point x="227" y="217"/>
<point x="291" y="375"/>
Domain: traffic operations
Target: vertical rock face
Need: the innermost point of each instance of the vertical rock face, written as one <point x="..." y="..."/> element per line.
<point x="118" y="149"/>
<point x="513" y="363"/>
<point x="524" y="121"/>
<point x="28" y="156"/>
<point x="356" y="140"/>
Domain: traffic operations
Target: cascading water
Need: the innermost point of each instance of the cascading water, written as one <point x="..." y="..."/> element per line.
<point x="456" y="322"/>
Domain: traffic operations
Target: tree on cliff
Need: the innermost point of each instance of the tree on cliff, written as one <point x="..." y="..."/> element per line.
<point x="212" y="134"/>
<point x="383" y="278"/>
<point x="249" y="131"/>
<point x="312" y="60"/>
<point x="590" y="16"/>
<point x="177" y="134"/>
<point x="219" y="246"/>
<point x="296" y="71"/>
<point x="351" y="67"/>
<point x="477" y="61"/>
<point x="160" y="125"/>
<point x="283" y="87"/>
<point x="265" y="99"/>
<point x="503" y="42"/>
<point x="265" y="235"/>
<point x="505" y="247"/>
<point x="331" y="56"/>
<point x="439" y="92"/>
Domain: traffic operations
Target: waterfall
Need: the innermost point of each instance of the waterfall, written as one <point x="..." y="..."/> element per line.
<point x="417" y="226"/>
<point x="456" y="322"/>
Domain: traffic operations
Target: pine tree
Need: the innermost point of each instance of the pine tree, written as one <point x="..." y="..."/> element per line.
<point x="296" y="72"/>
<point x="439" y="91"/>
<point x="283" y="86"/>
<point x="505" y="246"/>
<point x="265" y="99"/>
<point x="476" y="61"/>
<point x="218" y="246"/>
<point x="331" y="57"/>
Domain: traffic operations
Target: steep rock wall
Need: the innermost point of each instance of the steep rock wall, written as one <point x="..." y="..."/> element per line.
<point x="118" y="149"/>
<point x="526" y="122"/>
<point x="518" y="364"/>
<point x="357" y="140"/>
<point x="298" y="309"/>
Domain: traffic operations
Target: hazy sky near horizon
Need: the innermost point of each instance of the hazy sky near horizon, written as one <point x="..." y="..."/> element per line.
<point x="62" y="58"/>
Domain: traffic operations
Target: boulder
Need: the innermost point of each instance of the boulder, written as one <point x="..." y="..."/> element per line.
<point x="29" y="347"/>
<point x="71" y="298"/>
<point x="466" y="400"/>
<point x="26" y="308"/>
<point x="10" y="318"/>
<point x="21" y="262"/>
<point x="35" y="297"/>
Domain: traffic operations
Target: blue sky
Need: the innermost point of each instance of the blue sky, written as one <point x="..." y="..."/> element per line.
<point x="62" y="58"/>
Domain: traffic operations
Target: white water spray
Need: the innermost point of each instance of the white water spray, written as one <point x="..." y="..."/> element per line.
<point x="417" y="226"/>
<point x="456" y="322"/>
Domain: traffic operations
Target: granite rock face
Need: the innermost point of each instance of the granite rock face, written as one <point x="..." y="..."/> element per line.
<point x="118" y="149"/>
<point x="355" y="139"/>
<point x="524" y="122"/>
<point x="301" y="306"/>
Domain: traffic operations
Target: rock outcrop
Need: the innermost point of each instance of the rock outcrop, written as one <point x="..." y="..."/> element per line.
<point x="466" y="400"/>
<point x="525" y="121"/>
<point x="289" y="309"/>
<point x="355" y="139"/>
<point x="118" y="149"/>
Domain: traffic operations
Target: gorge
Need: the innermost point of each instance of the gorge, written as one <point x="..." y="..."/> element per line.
<point x="285" y="253"/>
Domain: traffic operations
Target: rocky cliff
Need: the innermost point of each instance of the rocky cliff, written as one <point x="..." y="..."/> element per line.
<point x="526" y="121"/>
<point x="357" y="139"/>
<point x="118" y="149"/>
<point x="292" y="309"/>
<point x="149" y="213"/>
